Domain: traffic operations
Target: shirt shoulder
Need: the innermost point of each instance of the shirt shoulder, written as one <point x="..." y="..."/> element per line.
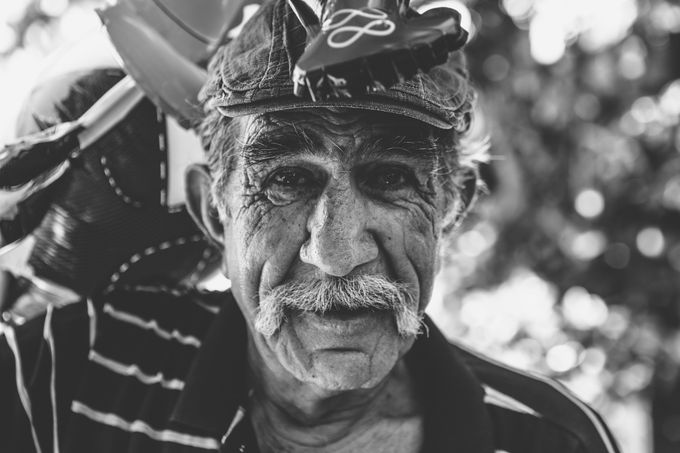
<point x="152" y="330"/>
<point x="533" y="413"/>
<point x="34" y="397"/>
<point x="104" y="372"/>
<point x="146" y="339"/>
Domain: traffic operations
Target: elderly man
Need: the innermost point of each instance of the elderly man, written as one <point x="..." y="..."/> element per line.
<point x="330" y="215"/>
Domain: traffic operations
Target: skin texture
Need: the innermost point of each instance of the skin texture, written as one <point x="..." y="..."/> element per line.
<point x="320" y="194"/>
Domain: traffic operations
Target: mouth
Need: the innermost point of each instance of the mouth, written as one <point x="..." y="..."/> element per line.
<point x="346" y="314"/>
<point x="341" y="321"/>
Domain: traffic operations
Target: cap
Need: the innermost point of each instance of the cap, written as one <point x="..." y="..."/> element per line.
<point x="253" y="74"/>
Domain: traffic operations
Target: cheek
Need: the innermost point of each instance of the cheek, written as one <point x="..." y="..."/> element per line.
<point x="266" y="242"/>
<point x="421" y="241"/>
<point x="410" y="241"/>
<point x="421" y="233"/>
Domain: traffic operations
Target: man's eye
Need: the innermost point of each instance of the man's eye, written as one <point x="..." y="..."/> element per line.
<point x="291" y="177"/>
<point x="390" y="179"/>
<point x="289" y="184"/>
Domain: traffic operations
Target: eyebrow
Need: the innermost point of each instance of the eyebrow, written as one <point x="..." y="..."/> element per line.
<point x="284" y="142"/>
<point x="421" y="149"/>
<point x="270" y="144"/>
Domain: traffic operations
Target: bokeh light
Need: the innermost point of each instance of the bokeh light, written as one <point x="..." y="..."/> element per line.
<point x="594" y="361"/>
<point x="519" y="10"/>
<point x="496" y="67"/>
<point x="632" y="59"/>
<point x="53" y="8"/>
<point x="669" y="101"/>
<point x="8" y="38"/>
<point x="650" y="242"/>
<point x="645" y="110"/>
<point x="77" y="22"/>
<point x="587" y="106"/>
<point x="564" y="357"/>
<point x="553" y="24"/>
<point x="547" y="39"/>
<point x="671" y="193"/>
<point x="589" y="203"/>
<point x="666" y="16"/>
<point x="617" y="255"/>
<point x="13" y="11"/>
<point x="474" y="242"/>
<point x="584" y="311"/>
<point x="588" y="245"/>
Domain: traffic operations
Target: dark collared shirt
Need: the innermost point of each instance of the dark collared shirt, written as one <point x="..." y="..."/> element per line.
<point x="152" y="370"/>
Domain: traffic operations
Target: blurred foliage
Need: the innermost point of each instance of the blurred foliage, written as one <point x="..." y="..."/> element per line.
<point x="571" y="265"/>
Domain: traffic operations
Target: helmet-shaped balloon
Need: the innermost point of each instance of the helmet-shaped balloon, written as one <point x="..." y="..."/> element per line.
<point x="165" y="44"/>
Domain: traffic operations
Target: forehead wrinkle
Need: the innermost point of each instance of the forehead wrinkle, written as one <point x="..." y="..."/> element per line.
<point x="289" y="140"/>
<point x="275" y="142"/>
<point x="420" y="150"/>
<point x="278" y="138"/>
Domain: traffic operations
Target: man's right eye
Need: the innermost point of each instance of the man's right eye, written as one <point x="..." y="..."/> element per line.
<point x="290" y="177"/>
<point x="289" y="184"/>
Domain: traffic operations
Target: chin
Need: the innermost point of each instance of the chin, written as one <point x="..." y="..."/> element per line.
<point x="348" y="370"/>
<point x="349" y="367"/>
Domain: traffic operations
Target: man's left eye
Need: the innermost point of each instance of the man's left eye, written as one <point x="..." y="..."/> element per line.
<point x="390" y="178"/>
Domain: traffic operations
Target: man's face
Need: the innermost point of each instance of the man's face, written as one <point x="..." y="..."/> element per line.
<point x="323" y="198"/>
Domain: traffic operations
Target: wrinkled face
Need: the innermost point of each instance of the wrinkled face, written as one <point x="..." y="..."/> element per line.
<point x="325" y="203"/>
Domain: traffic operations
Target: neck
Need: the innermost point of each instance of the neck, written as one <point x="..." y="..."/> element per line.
<point x="290" y="415"/>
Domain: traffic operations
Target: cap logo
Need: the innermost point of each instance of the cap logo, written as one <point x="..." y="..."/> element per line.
<point x="339" y="23"/>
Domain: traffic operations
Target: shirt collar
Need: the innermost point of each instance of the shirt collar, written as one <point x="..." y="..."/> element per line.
<point x="453" y="399"/>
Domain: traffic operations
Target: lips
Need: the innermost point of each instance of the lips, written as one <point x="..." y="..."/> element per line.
<point x="341" y="320"/>
<point x="339" y="329"/>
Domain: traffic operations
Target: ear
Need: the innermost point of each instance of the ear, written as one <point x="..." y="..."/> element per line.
<point x="199" y="203"/>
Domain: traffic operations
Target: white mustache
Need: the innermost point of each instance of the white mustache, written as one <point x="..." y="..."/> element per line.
<point x="362" y="292"/>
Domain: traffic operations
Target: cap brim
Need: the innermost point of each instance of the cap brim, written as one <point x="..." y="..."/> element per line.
<point x="373" y="103"/>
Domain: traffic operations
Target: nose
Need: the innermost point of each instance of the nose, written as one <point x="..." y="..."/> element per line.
<point x="339" y="238"/>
